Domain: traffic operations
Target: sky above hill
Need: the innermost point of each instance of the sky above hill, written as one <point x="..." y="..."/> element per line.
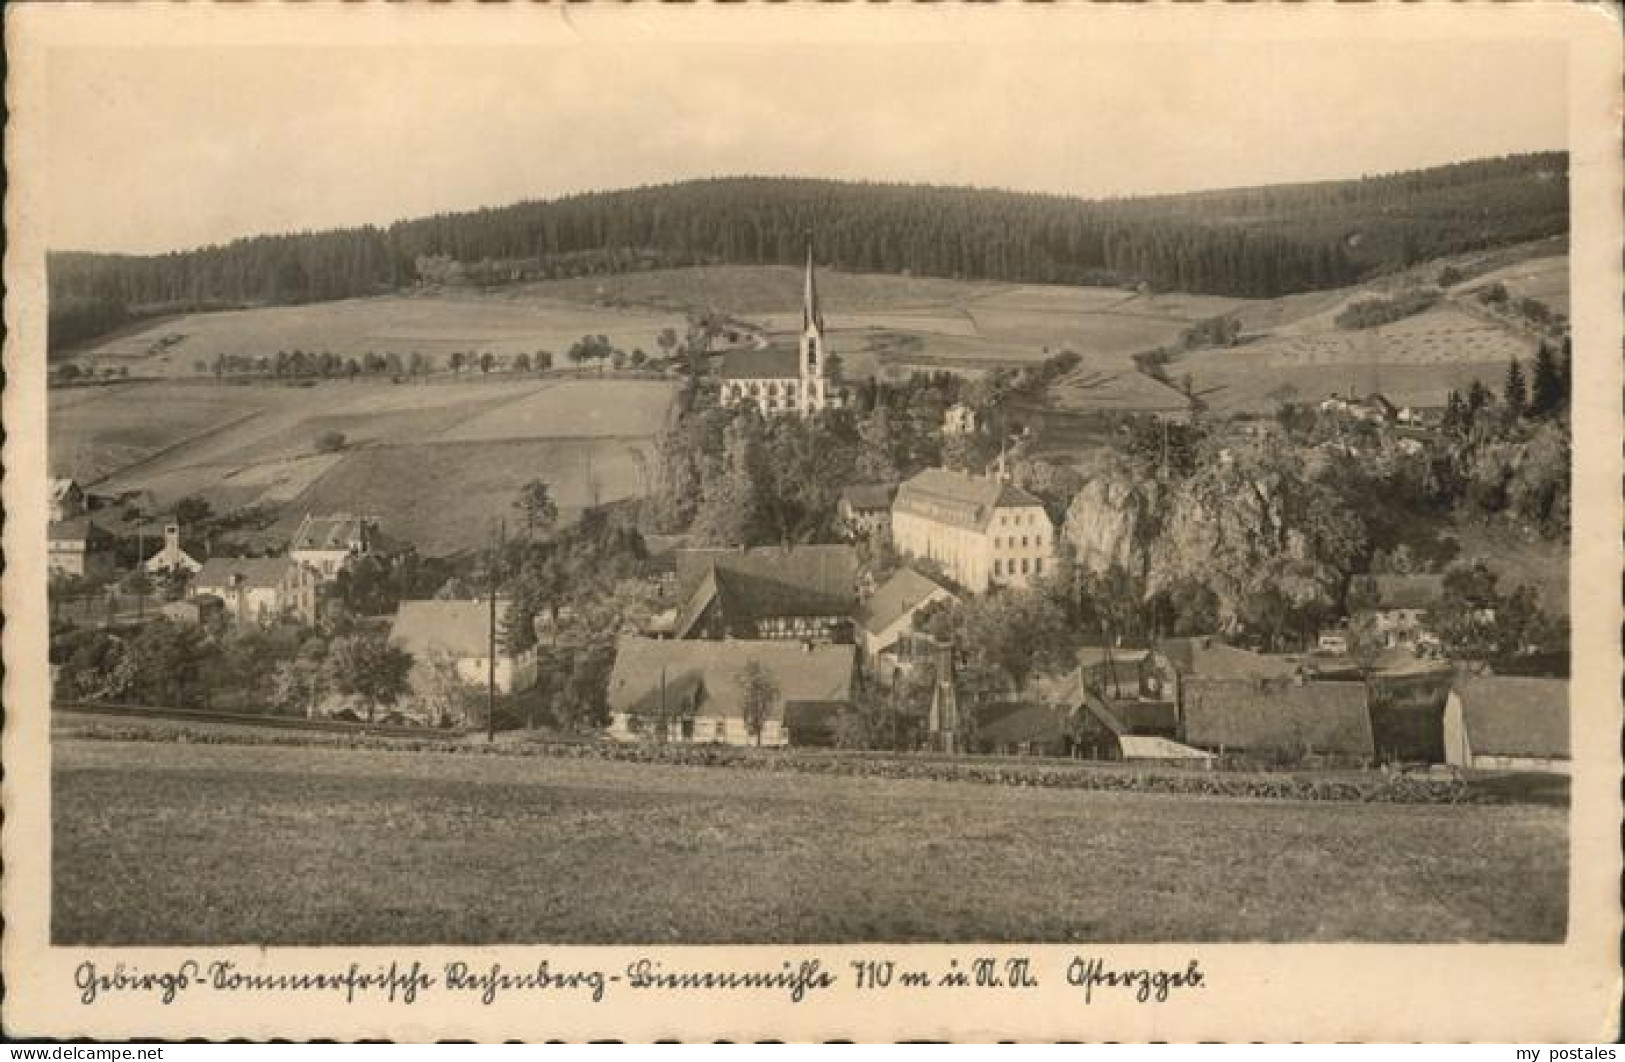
<point x="155" y="149"/>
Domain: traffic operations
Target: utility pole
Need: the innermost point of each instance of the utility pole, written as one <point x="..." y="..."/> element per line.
<point x="491" y="644"/>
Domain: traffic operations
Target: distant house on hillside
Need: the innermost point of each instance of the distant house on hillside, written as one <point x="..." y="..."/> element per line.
<point x="460" y="631"/>
<point x="691" y="690"/>
<point x="767" y="592"/>
<point x="171" y="557"/>
<point x="982" y="531"/>
<point x="1512" y="724"/>
<point x="79" y="547"/>
<point x="259" y="589"/>
<point x="330" y="543"/>
<point x="864" y="510"/>
<point x="887" y="618"/>
<point x="960" y="419"/>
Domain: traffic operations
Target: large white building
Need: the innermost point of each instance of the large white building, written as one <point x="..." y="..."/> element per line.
<point x="982" y="531"/>
<point x="799" y="381"/>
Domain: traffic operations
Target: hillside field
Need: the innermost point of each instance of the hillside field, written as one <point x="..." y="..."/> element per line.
<point x="436" y="323"/>
<point x="327" y="846"/>
<point x="438" y="463"/>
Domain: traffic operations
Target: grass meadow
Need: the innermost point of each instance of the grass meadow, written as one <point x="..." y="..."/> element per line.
<point x="178" y="844"/>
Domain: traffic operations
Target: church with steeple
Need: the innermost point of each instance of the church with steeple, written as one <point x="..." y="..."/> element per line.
<point x="779" y="380"/>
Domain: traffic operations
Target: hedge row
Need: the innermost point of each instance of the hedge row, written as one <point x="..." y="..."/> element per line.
<point x="1376" y="787"/>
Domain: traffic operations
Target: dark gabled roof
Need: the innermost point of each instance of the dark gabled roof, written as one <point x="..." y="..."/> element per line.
<point x="256" y="572"/>
<point x="1326" y="717"/>
<point x="1408" y="591"/>
<point x="766" y="581"/>
<point x="697" y="603"/>
<point x="950" y="497"/>
<point x="902" y="594"/>
<point x="706" y="674"/>
<point x="869" y="496"/>
<point x="81" y="529"/>
<point x="774" y="363"/>
<point x="1206" y="657"/>
<point x="459" y="629"/>
<point x="1512" y="716"/>
<point x="1021" y="724"/>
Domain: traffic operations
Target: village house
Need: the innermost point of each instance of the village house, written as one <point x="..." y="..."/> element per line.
<point x="330" y="543"/>
<point x="1072" y="715"/>
<point x="171" y="557"/>
<point x="460" y="632"/>
<point x="801" y="593"/>
<point x="801" y="381"/>
<point x="1375" y="408"/>
<point x="67" y="500"/>
<point x="960" y="419"/>
<point x="1281" y="721"/>
<point x="259" y="589"/>
<point x="1399" y="614"/>
<point x="79" y="547"/>
<point x="982" y="531"/>
<point x="691" y="692"/>
<point x="886" y="623"/>
<point x="1504" y="723"/>
<point x="864" y="510"/>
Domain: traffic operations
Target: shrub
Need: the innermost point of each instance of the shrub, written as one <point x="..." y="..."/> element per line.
<point x="330" y="442"/>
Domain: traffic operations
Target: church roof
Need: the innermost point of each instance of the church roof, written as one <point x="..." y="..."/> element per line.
<point x="811" y="314"/>
<point x="770" y="364"/>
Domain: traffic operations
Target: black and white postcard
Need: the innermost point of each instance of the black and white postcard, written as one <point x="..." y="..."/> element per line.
<point x="806" y="521"/>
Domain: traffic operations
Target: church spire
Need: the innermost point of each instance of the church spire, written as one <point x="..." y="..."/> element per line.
<point x="810" y="313"/>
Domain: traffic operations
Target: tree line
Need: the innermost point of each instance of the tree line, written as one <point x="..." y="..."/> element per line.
<point x="1259" y="242"/>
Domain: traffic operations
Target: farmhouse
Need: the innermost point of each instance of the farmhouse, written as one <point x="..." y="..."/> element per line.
<point x="887" y="618"/>
<point x="1505" y="723"/>
<point x="767" y="592"/>
<point x="172" y="558"/>
<point x="864" y="509"/>
<point x="982" y="531"/>
<point x="692" y="692"/>
<point x="329" y="543"/>
<point x="67" y="500"/>
<point x="1399" y="615"/>
<point x="460" y="631"/>
<point x="259" y="589"/>
<point x="1067" y="716"/>
<point x="802" y="381"/>
<point x="79" y="547"/>
<point x="1278" y="719"/>
<point x="1116" y="673"/>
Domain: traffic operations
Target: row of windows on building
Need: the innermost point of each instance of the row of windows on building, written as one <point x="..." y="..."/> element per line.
<point x="1002" y="568"/>
<point x="1001" y="543"/>
<point x="755" y="390"/>
<point x="1006" y="519"/>
<point x="797" y="626"/>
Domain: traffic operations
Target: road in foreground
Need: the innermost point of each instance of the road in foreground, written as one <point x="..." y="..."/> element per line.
<point x="168" y="844"/>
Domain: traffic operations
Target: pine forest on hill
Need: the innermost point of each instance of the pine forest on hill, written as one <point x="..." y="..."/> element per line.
<point x="1258" y="242"/>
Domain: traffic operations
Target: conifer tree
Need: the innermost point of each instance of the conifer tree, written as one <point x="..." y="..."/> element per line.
<point x="1516" y="391"/>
